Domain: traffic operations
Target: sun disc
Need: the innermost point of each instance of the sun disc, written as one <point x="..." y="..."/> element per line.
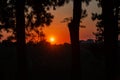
<point x="52" y="39"/>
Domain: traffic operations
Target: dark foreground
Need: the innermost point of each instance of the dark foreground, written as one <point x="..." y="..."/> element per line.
<point x="53" y="62"/>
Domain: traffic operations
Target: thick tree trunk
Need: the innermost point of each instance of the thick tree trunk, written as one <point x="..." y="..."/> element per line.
<point x="110" y="39"/>
<point x="74" y="36"/>
<point x="20" y="35"/>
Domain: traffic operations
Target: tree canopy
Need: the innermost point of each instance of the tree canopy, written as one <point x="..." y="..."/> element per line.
<point x="36" y="13"/>
<point x="100" y="23"/>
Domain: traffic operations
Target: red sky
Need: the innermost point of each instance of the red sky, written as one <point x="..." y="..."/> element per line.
<point x="60" y="30"/>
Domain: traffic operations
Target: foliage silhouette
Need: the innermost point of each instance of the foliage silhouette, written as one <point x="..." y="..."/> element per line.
<point x="100" y="24"/>
<point x="110" y="40"/>
<point x="16" y="15"/>
<point x="107" y="31"/>
<point x="73" y="26"/>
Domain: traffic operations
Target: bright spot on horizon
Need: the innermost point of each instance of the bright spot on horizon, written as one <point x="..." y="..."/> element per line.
<point x="52" y="39"/>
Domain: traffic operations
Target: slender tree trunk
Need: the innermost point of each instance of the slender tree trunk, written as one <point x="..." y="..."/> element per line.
<point x="74" y="36"/>
<point x="110" y="39"/>
<point x="20" y="34"/>
<point x="117" y="57"/>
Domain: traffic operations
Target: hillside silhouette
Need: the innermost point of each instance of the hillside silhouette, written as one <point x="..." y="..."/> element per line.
<point x="46" y="61"/>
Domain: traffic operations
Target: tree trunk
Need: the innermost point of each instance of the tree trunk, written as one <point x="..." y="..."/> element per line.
<point x="74" y="36"/>
<point x="20" y="35"/>
<point x="110" y="39"/>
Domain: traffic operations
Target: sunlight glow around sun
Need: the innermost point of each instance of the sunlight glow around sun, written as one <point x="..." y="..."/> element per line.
<point x="52" y="39"/>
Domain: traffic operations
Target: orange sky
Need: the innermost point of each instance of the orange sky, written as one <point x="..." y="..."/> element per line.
<point x="60" y="30"/>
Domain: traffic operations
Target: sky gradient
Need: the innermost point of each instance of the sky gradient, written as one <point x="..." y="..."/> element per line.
<point x="60" y="30"/>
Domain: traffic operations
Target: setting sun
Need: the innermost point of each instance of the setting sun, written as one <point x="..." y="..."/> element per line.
<point x="52" y="39"/>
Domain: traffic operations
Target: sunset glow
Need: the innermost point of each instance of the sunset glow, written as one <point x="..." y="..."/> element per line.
<point x="57" y="32"/>
<point x="52" y="40"/>
<point x="61" y="31"/>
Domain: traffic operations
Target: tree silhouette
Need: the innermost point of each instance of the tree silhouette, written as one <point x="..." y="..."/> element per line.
<point x="74" y="37"/>
<point x="100" y="23"/>
<point x="35" y="35"/>
<point x="108" y="32"/>
<point x="99" y="34"/>
<point x="73" y="25"/>
<point x="37" y="17"/>
<point x="18" y="14"/>
<point x="20" y="35"/>
<point x="110" y="39"/>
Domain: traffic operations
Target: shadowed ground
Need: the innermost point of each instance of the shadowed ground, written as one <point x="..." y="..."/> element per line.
<point x="53" y="62"/>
